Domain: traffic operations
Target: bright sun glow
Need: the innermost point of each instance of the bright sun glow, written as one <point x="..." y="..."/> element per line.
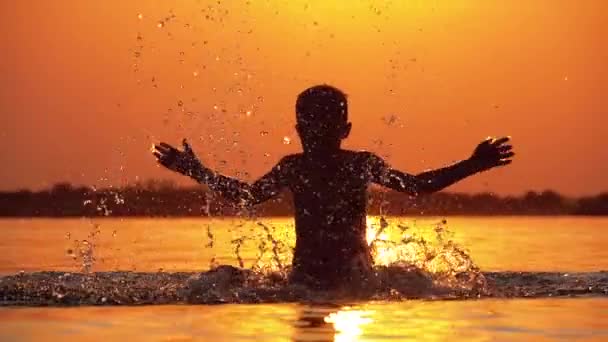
<point x="347" y="323"/>
<point x="382" y="254"/>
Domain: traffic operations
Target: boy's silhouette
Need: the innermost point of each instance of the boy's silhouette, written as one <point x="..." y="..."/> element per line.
<point x="329" y="187"/>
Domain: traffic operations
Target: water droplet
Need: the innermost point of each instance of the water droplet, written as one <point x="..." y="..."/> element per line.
<point x="160" y="24"/>
<point x="286" y="140"/>
<point x="180" y="103"/>
<point x="263" y="133"/>
<point x="195" y="73"/>
<point x="140" y="16"/>
<point x="248" y="113"/>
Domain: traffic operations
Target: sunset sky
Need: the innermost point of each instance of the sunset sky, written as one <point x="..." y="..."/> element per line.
<point x="88" y="86"/>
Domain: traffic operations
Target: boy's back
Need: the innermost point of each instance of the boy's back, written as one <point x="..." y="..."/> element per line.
<point x="329" y="187"/>
<point x="330" y="196"/>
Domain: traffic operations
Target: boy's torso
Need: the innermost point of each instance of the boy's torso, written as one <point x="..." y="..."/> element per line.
<point x="330" y="195"/>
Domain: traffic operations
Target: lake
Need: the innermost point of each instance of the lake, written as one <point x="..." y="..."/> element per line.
<point x="569" y="247"/>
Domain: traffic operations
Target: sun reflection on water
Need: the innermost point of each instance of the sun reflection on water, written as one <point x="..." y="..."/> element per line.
<point x="347" y="323"/>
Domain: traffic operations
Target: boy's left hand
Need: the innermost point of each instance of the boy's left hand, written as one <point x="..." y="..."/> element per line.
<point x="184" y="162"/>
<point x="492" y="152"/>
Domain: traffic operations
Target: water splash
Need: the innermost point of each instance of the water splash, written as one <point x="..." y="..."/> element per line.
<point x="82" y="251"/>
<point x="423" y="252"/>
<point x="409" y="261"/>
<point x="430" y="250"/>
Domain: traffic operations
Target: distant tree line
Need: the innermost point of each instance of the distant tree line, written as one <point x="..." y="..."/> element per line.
<point x="163" y="198"/>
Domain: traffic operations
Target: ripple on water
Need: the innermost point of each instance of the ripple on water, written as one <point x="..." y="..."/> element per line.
<point x="227" y="284"/>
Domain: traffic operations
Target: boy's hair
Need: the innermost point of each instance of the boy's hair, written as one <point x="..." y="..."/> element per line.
<point x="321" y="104"/>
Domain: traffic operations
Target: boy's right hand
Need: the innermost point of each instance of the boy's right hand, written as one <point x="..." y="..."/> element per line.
<point x="491" y="153"/>
<point x="184" y="162"/>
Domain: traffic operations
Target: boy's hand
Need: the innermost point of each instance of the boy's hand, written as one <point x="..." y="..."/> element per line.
<point x="491" y="153"/>
<point x="184" y="162"/>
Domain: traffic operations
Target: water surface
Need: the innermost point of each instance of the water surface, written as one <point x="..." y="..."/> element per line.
<point x="572" y="249"/>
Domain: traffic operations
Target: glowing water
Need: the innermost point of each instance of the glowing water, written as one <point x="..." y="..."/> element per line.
<point x="413" y="261"/>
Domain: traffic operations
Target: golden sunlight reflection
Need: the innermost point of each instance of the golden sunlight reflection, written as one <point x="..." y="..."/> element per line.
<point x="375" y="235"/>
<point x="347" y="323"/>
<point x="427" y="247"/>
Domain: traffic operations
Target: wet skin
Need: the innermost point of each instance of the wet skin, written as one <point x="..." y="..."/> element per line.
<point x="330" y="195"/>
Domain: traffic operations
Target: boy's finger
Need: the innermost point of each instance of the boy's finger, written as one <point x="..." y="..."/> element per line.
<point x="507" y="155"/>
<point x="505" y="148"/>
<point x="159" y="148"/>
<point x="186" y="145"/>
<point x="166" y="146"/>
<point x="167" y="151"/>
<point x="501" y="141"/>
<point x="505" y="162"/>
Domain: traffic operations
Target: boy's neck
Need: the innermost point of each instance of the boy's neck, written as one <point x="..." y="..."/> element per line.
<point x="323" y="152"/>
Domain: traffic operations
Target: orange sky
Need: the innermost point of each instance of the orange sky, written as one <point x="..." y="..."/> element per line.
<point x="82" y="98"/>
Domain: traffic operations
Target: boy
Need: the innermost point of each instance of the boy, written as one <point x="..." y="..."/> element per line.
<point x="329" y="187"/>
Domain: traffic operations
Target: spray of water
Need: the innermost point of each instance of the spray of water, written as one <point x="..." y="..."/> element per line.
<point x="410" y="261"/>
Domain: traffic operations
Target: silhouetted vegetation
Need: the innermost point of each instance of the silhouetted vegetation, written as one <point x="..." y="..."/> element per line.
<point x="163" y="198"/>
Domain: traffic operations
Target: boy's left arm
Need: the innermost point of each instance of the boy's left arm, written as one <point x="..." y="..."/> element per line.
<point x="242" y="192"/>
<point x="489" y="154"/>
<point x="187" y="163"/>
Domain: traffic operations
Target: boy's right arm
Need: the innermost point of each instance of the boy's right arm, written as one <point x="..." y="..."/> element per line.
<point x="488" y="154"/>
<point x="187" y="163"/>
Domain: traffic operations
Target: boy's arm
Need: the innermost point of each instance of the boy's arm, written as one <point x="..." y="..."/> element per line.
<point x="186" y="163"/>
<point x="488" y="154"/>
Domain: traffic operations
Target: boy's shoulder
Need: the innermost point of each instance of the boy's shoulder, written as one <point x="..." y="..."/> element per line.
<point x="363" y="156"/>
<point x="289" y="161"/>
<point x="368" y="162"/>
<point x="290" y="158"/>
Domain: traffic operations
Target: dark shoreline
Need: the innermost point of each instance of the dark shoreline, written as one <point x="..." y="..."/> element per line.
<point x="165" y="200"/>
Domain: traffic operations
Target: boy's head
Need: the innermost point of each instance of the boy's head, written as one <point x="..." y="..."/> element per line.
<point x="322" y="118"/>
